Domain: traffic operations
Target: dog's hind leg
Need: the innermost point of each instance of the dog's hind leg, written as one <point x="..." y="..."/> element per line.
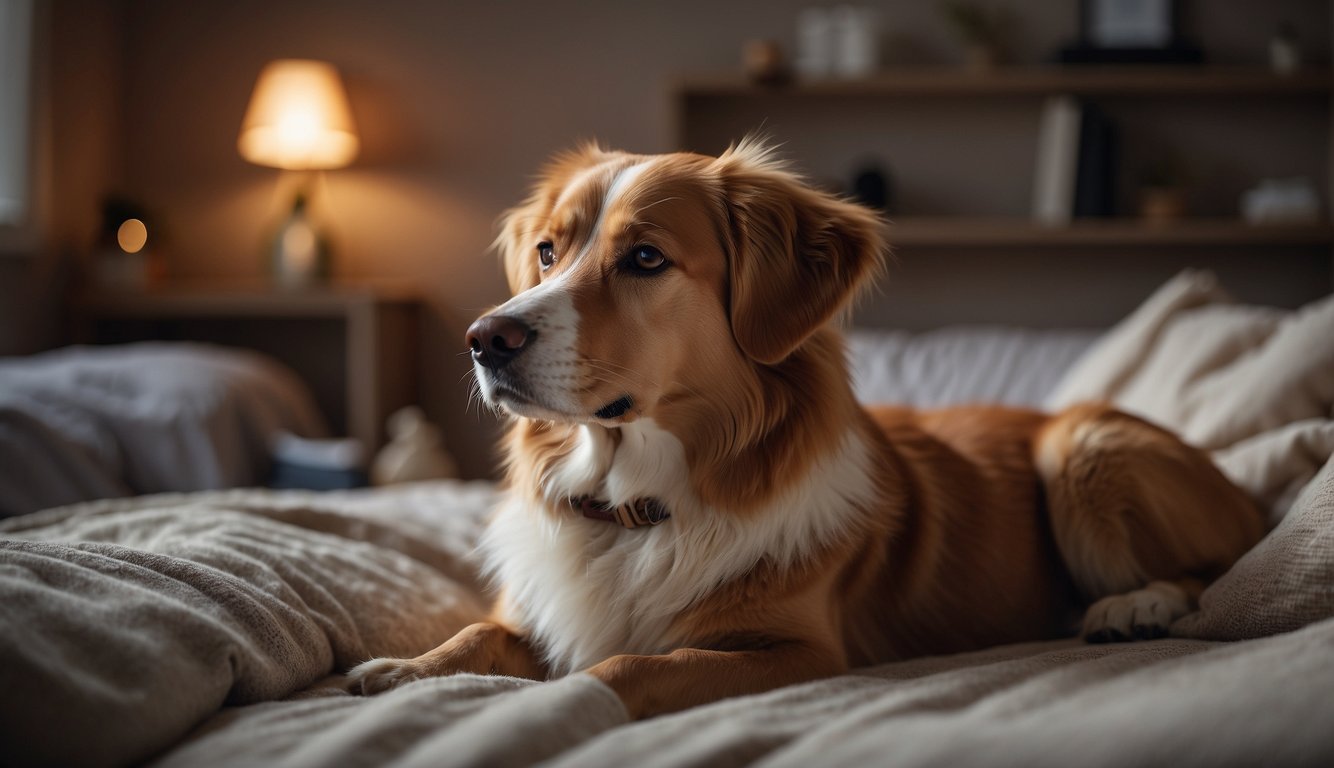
<point x="1142" y="520"/>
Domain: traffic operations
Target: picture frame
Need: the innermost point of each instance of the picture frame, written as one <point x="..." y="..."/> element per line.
<point x="1131" y="32"/>
<point x="1130" y="24"/>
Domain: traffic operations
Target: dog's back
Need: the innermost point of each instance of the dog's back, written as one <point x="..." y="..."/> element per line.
<point x="975" y="563"/>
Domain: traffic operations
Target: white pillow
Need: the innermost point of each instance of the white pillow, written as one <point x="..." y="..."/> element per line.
<point x="951" y="366"/>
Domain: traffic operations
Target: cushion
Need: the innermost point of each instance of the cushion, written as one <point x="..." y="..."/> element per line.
<point x="126" y="627"/>
<point x="962" y="364"/>
<point x="1214" y="371"/>
<point x="1228" y="378"/>
<point x="1283" y="584"/>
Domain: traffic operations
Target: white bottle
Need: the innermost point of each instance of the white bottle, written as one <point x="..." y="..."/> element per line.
<point x="815" y="43"/>
<point x="857" y="35"/>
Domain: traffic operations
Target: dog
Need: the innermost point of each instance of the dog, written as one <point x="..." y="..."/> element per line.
<point x="699" y="508"/>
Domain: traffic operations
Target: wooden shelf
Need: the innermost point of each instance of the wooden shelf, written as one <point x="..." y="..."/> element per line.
<point x="972" y="232"/>
<point x="244" y="298"/>
<point x="1142" y="81"/>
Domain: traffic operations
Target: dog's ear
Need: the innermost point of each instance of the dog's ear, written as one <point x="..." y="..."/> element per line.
<point x="797" y="255"/>
<point x="520" y="226"/>
<point x="517" y="254"/>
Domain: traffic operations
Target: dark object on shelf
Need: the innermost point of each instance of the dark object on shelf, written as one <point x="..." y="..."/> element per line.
<point x="984" y="30"/>
<point x="871" y="187"/>
<point x="116" y="210"/>
<point x="765" y="63"/>
<point x="1130" y="32"/>
<point x="1095" y="179"/>
<point x="1076" y="164"/>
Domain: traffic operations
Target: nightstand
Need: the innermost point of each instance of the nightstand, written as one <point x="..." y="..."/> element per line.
<point x="355" y="346"/>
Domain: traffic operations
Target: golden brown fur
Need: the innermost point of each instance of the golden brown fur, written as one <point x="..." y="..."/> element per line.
<point x="978" y="525"/>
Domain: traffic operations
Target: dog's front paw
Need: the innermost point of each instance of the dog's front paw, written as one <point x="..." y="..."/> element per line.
<point x="379" y="675"/>
<point x="1144" y="614"/>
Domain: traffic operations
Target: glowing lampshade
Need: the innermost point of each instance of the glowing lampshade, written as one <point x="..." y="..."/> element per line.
<point x="298" y="118"/>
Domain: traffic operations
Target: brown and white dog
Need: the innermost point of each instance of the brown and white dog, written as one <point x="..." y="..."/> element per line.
<point x="699" y="508"/>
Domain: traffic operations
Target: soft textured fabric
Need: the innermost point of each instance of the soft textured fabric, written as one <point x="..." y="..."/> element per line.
<point x="1255" y="385"/>
<point x="176" y="605"/>
<point x="952" y="366"/>
<point x="1285" y="582"/>
<point x="454" y="721"/>
<point x="1121" y="353"/>
<point x="1275" y="465"/>
<point x="155" y="617"/>
<point x="96" y="422"/>
<point x="1167" y="702"/>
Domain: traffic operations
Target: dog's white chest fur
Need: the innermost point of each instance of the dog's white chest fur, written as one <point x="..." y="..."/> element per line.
<point x="585" y="590"/>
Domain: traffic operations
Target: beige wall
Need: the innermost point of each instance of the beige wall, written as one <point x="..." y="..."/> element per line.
<point x="458" y="104"/>
<point x="77" y="148"/>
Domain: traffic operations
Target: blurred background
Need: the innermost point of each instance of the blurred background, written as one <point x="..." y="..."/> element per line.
<point x="1045" y="163"/>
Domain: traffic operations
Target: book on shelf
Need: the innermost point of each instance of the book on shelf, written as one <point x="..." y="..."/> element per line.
<point x="1057" y="161"/>
<point x="1095" y="177"/>
<point x="1076" y="163"/>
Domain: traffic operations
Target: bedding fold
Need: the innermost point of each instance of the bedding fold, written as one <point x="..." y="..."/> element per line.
<point x="155" y="618"/>
<point x="1169" y="702"/>
<point x="1231" y="379"/>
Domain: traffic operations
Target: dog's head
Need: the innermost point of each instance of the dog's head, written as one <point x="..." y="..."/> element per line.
<point x="645" y="280"/>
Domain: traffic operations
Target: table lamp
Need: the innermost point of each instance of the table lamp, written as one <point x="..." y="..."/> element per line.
<point x="299" y="120"/>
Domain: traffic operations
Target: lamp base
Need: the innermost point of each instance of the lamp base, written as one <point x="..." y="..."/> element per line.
<point x="300" y="253"/>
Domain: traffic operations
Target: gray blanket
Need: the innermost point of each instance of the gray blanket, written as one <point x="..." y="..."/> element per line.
<point x="207" y="630"/>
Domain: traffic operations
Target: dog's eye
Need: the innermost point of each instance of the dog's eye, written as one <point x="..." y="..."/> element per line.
<point x="546" y="254"/>
<point x="645" y="259"/>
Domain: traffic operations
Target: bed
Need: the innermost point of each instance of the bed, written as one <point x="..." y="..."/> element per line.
<point x="210" y="629"/>
<point x="87" y="422"/>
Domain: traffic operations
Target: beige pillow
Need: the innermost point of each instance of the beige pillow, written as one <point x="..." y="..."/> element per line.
<point x="1283" y="584"/>
<point x="1119" y="357"/>
<point x="1215" y="372"/>
<point x="1275" y="466"/>
<point x="1228" y="378"/>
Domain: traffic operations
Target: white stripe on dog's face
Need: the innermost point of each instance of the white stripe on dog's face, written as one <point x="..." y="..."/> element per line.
<point x="618" y="187"/>
<point x="544" y="381"/>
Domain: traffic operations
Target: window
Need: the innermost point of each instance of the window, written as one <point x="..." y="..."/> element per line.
<point x="15" y="87"/>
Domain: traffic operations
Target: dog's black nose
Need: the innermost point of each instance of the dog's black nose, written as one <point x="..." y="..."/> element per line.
<point x="496" y="339"/>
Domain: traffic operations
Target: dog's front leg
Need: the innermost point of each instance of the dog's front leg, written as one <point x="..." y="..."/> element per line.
<point x="655" y="685"/>
<point x="485" y="648"/>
